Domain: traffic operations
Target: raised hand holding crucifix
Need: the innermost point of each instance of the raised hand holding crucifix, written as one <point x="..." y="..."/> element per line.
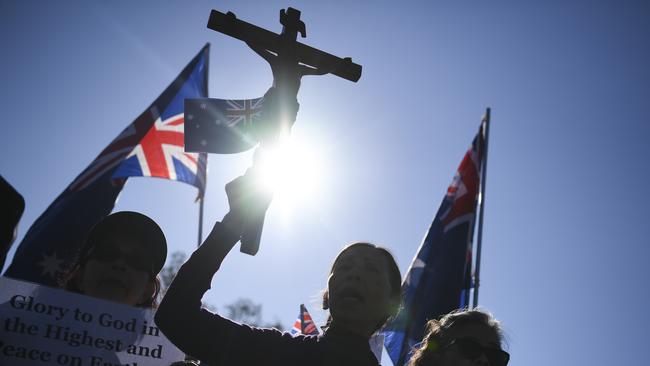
<point x="290" y="61"/>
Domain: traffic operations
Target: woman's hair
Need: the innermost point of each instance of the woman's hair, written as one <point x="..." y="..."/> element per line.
<point x="68" y="280"/>
<point x="394" y="278"/>
<point x="437" y="333"/>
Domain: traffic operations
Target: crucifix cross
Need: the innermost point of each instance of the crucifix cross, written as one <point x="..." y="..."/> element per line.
<point x="284" y="45"/>
<point x="290" y="60"/>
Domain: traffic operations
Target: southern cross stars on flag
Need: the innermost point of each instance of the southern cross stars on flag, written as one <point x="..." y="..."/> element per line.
<point x="304" y="324"/>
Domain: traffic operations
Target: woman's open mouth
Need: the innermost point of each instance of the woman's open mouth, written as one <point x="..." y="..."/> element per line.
<point x="351" y="293"/>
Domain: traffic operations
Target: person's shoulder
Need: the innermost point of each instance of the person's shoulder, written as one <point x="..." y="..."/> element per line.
<point x="284" y="334"/>
<point x="296" y="339"/>
<point x="279" y="344"/>
<point x="302" y="337"/>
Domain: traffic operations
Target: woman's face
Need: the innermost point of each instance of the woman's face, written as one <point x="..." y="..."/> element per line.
<point x="359" y="289"/>
<point x="466" y="343"/>
<point x="117" y="272"/>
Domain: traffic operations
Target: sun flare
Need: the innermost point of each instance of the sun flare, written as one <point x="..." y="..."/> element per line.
<point x="292" y="172"/>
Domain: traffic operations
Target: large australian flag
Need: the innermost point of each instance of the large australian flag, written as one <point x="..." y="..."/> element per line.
<point x="440" y="276"/>
<point x="151" y="146"/>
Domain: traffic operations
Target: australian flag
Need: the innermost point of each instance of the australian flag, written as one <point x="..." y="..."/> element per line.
<point x="151" y="146"/>
<point x="304" y="324"/>
<point x="440" y="276"/>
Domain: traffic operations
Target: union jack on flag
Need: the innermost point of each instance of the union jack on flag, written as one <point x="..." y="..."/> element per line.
<point x="151" y="146"/>
<point x="222" y="126"/>
<point x="161" y="154"/>
<point x="148" y="151"/>
<point x="304" y="324"/>
<point x="440" y="276"/>
<point x="243" y="111"/>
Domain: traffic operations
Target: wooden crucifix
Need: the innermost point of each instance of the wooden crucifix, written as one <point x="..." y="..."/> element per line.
<point x="284" y="45"/>
<point x="290" y="60"/>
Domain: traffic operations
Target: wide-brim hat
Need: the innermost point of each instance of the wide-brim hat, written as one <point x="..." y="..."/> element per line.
<point x="142" y="229"/>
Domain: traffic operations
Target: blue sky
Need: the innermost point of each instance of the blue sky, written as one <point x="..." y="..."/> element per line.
<point x="565" y="238"/>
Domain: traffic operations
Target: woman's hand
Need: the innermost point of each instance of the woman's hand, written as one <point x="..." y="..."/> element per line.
<point x="248" y="200"/>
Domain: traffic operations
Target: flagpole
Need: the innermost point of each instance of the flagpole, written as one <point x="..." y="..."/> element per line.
<point x="198" y="244"/>
<point x="202" y="195"/>
<point x="479" y="239"/>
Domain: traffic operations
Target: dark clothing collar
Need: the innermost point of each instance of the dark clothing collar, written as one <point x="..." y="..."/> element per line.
<point x="346" y="348"/>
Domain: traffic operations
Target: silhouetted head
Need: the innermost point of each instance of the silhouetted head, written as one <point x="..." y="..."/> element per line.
<point x="465" y="337"/>
<point x="363" y="289"/>
<point x="120" y="260"/>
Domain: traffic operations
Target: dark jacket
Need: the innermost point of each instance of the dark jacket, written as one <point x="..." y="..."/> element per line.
<point x="220" y="341"/>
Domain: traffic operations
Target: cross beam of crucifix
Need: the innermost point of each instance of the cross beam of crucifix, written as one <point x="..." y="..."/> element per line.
<point x="229" y="24"/>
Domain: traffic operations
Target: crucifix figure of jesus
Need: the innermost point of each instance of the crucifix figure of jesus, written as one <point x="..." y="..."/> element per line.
<point x="290" y="60"/>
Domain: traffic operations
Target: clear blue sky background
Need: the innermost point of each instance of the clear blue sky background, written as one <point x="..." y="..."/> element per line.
<point x="566" y="233"/>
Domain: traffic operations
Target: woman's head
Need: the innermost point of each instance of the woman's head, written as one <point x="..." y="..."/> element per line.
<point x="364" y="288"/>
<point x="460" y="338"/>
<point x="120" y="260"/>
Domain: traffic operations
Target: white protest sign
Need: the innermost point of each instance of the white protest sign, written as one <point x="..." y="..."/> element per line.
<point x="46" y="326"/>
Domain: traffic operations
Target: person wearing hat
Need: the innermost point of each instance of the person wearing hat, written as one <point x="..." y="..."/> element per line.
<point x="120" y="261"/>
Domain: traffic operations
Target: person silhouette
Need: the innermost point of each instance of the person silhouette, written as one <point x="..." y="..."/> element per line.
<point x="363" y="292"/>
<point x="120" y="261"/>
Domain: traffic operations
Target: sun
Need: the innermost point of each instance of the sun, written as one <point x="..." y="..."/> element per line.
<point x="292" y="171"/>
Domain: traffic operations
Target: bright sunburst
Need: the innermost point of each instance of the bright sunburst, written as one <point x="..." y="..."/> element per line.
<point x="292" y="171"/>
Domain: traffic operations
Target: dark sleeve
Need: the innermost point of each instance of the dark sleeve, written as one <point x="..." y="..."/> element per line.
<point x="208" y="336"/>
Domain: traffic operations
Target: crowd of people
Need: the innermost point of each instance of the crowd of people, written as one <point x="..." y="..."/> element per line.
<point x="124" y="253"/>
